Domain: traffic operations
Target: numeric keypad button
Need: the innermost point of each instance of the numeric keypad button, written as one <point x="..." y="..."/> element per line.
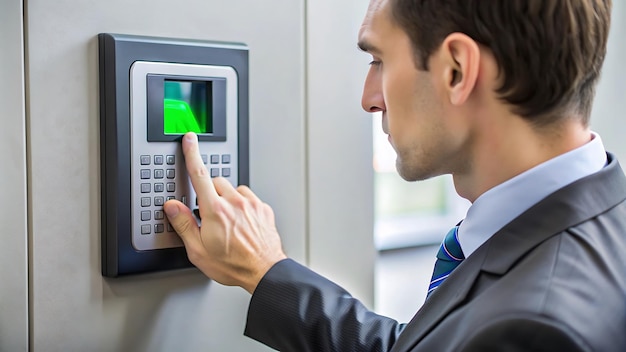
<point x="145" y="216"/>
<point x="145" y="174"/>
<point x="146" y="229"/>
<point x="158" y="201"/>
<point x="146" y="202"/>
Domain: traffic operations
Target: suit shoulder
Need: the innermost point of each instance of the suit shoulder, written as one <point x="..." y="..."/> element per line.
<point x="588" y="278"/>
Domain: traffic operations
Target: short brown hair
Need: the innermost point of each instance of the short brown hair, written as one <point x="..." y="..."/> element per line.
<point x="549" y="52"/>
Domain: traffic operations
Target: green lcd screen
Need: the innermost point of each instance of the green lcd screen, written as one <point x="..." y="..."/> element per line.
<point x="187" y="107"/>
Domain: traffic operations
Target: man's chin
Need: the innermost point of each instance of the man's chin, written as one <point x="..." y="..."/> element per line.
<point x="412" y="174"/>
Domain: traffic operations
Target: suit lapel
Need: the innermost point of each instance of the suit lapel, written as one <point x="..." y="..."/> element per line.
<point x="563" y="209"/>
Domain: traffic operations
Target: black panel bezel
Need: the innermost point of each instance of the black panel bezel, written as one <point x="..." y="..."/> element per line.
<point x="117" y="53"/>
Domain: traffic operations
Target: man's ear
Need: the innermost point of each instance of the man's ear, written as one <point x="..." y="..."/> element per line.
<point x="461" y="59"/>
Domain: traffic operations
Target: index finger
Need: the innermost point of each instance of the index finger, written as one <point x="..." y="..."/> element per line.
<point x="198" y="173"/>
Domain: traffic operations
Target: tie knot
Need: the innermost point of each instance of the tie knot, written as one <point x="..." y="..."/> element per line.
<point x="449" y="257"/>
<point x="450" y="248"/>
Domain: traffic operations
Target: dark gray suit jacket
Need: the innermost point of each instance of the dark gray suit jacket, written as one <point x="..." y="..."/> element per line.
<point x="553" y="279"/>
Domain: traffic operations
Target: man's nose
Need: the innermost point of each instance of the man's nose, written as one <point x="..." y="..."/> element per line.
<point x="373" y="99"/>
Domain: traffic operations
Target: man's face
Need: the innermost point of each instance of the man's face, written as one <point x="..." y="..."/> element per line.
<point x="412" y="104"/>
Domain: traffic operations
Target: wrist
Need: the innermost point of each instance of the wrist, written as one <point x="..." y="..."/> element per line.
<point x="253" y="281"/>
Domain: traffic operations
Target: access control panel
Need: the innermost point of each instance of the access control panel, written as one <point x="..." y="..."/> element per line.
<point x="152" y="92"/>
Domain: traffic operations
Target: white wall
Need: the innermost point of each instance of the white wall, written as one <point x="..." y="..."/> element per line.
<point x="609" y="109"/>
<point x="308" y="139"/>
<point x="73" y="307"/>
<point x="341" y="185"/>
<point x="13" y="212"/>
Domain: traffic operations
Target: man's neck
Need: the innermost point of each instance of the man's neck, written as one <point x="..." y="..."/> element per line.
<point x="508" y="147"/>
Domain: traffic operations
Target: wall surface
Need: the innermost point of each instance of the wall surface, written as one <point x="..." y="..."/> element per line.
<point x="341" y="184"/>
<point x="73" y="307"/>
<point x="609" y="109"/>
<point x="310" y="151"/>
<point x="13" y="177"/>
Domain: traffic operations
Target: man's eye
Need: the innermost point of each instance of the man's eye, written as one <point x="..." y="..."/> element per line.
<point x="375" y="63"/>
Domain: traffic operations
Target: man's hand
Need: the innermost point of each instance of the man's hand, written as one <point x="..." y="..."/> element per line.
<point x="238" y="241"/>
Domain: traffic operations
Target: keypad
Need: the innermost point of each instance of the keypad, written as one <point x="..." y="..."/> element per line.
<point x="216" y="169"/>
<point x="154" y="191"/>
<point x="158" y="185"/>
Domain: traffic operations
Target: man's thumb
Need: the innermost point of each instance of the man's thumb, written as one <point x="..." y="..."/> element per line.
<point x="180" y="218"/>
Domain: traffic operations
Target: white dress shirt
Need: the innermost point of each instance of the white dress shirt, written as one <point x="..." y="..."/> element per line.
<point x="506" y="201"/>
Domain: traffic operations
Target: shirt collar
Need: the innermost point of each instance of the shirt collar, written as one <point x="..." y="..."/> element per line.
<point x="506" y="201"/>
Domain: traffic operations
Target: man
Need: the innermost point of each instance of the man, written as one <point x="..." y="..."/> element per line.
<point x="498" y="94"/>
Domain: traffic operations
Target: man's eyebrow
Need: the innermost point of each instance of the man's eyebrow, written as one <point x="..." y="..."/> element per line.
<point x="367" y="47"/>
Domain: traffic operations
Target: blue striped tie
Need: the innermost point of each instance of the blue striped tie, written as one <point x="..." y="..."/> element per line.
<point x="449" y="257"/>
